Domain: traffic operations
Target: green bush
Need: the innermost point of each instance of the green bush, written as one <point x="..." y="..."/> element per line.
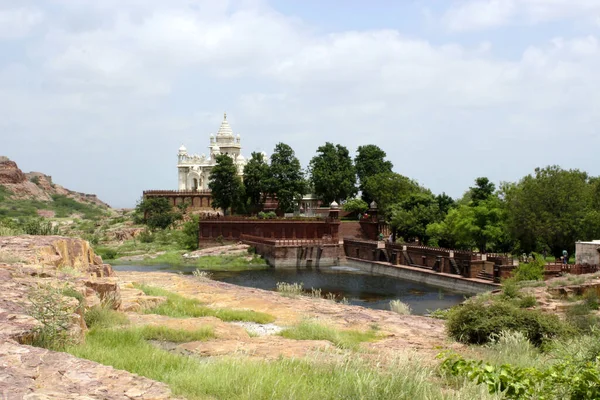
<point x="474" y="322"/>
<point x="106" y="254"/>
<point x="533" y="271"/>
<point x="527" y="301"/>
<point x="146" y="236"/>
<point x="38" y="226"/>
<point x="188" y="239"/>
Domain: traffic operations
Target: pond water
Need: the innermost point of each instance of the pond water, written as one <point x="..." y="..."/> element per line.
<point x="359" y="288"/>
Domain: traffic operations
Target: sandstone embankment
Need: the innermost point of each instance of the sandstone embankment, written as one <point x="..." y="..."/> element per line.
<point x="27" y="263"/>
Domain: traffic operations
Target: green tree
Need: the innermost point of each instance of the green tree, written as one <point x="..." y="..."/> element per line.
<point x="445" y="203"/>
<point x="332" y="173"/>
<point x="411" y="217"/>
<point x="370" y="161"/>
<point x="286" y="179"/>
<point x="482" y="190"/>
<point x="551" y="209"/>
<point x="390" y="188"/>
<point x="256" y="173"/>
<point x="355" y="205"/>
<point x="156" y="213"/>
<point x="224" y="183"/>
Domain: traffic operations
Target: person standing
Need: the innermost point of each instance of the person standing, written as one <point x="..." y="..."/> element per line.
<point x="565" y="257"/>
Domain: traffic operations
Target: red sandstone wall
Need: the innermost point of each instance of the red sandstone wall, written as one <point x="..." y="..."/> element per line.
<point x="232" y="229"/>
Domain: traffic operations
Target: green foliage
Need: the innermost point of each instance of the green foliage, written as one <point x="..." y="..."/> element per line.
<point x="389" y="188"/>
<point x="527" y="301"/>
<point x="38" y="226"/>
<point x="102" y="316"/>
<point x="51" y="308"/>
<point x="332" y="173"/>
<point x="256" y="172"/>
<point x="533" y="271"/>
<point x="476" y="321"/>
<point x="470" y="225"/>
<point x="356" y="205"/>
<point x="552" y="208"/>
<point x="563" y="380"/>
<point x="106" y="253"/>
<point x="344" y="339"/>
<point x="243" y="378"/>
<point x="267" y="215"/>
<point x="482" y="190"/>
<point x="65" y="206"/>
<point x="225" y="184"/>
<point x="286" y="179"/>
<point x="190" y="234"/>
<point x="370" y="161"/>
<point x="146" y="236"/>
<point x="411" y="217"/>
<point x="150" y="332"/>
<point x="181" y="307"/>
<point x="156" y="213"/>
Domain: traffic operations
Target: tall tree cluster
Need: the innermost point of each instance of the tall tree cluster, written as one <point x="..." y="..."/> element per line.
<point x="547" y="211"/>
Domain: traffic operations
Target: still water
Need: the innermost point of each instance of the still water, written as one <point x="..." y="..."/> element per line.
<point x="359" y="288"/>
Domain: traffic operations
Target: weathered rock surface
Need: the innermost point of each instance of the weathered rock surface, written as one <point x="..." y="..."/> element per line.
<point x="55" y="251"/>
<point x="229" y="250"/>
<point x="398" y="332"/>
<point x="269" y="348"/>
<point x="10" y="172"/>
<point x="33" y="373"/>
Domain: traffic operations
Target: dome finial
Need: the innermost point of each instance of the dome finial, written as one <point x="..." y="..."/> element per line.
<point x="225" y="116"/>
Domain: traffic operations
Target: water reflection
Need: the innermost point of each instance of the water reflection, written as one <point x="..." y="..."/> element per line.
<point x="367" y="290"/>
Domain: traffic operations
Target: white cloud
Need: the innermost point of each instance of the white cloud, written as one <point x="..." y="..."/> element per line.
<point x="468" y="15"/>
<point x="18" y="22"/>
<point x="126" y="88"/>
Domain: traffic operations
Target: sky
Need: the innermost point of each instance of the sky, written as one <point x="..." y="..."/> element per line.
<point x="101" y="94"/>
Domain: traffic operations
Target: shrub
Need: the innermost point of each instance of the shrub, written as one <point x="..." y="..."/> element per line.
<point x="38" y="226"/>
<point x="590" y="297"/>
<point x="510" y="289"/>
<point x="355" y="205"/>
<point x="290" y="289"/>
<point x="579" y="316"/>
<point x="188" y="239"/>
<point x="202" y="274"/>
<point x="146" y="236"/>
<point x="527" y="301"/>
<point x="106" y="253"/>
<point x="533" y="271"/>
<point x="50" y="307"/>
<point x="400" y="308"/>
<point x="474" y="322"/>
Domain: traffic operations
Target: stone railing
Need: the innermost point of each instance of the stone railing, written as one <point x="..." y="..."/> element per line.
<point x="287" y="242"/>
<point x="176" y="192"/>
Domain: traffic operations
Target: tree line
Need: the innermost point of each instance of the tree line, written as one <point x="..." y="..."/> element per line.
<point x="545" y="212"/>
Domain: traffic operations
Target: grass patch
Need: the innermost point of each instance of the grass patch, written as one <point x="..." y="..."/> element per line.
<point x="344" y="339"/>
<point x="400" y="308"/>
<point x="175" y="258"/>
<point x="281" y="379"/>
<point x="181" y="307"/>
<point x="163" y="333"/>
<point x="104" y="317"/>
<point x="290" y="289"/>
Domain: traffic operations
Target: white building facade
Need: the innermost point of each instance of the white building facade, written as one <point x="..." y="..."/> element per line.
<point x="194" y="170"/>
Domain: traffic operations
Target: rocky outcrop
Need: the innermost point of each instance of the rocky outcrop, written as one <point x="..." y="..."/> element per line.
<point x="57" y="251"/>
<point x="10" y="172"/>
<point x="34" y="373"/>
<point x="28" y="266"/>
<point x="38" y="186"/>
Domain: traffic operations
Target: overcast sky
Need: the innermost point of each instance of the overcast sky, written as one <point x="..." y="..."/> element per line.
<point x="101" y="94"/>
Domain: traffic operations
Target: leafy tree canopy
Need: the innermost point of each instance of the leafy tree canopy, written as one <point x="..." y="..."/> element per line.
<point x="256" y="173"/>
<point x="370" y="161"/>
<point x="389" y="188"/>
<point x="286" y="179"/>
<point x="411" y="217"/>
<point x="225" y="184"/>
<point x="552" y="209"/>
<point x="156" y="213"/>
<point x="332" y="173"/>
<point x="355" y="205"/>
